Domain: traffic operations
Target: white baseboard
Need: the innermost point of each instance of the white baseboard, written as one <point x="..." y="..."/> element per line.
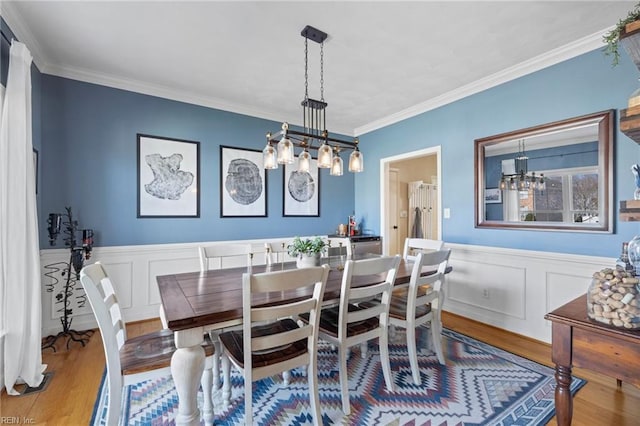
<point x="509" y="289"/>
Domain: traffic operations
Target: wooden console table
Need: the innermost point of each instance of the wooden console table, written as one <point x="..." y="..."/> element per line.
<point x="581" y="342"/>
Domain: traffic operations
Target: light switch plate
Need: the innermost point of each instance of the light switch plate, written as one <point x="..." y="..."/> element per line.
<point x="447" y="213"/>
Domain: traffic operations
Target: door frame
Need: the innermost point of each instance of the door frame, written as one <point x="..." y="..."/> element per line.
<point x="390" y="213"/>
<point x="384" y="188"/>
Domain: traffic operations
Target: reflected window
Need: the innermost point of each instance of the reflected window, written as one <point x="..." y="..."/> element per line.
<point x="569" y="196"/>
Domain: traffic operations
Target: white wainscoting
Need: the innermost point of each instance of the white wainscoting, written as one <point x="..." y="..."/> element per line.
<point x="133" y="270"/>
<point x="509" y="289"/>
<point x="514" y="289"/>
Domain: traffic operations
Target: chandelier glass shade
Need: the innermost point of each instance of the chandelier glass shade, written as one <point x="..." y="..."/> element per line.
<point x="304" y="160"/>
<point x="356" y="161"/>
<point x="325" y="155"/>
<point x="285" y="148"/>
<point x="336" y="165"/>
<point x="522" y="180"/>
<point x="314" y="135"/>
<point x="269" y="157"/>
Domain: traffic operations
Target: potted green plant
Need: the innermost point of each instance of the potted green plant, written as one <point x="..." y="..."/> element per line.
<point x="613" y="37"/>
<point x="308" y="251"/>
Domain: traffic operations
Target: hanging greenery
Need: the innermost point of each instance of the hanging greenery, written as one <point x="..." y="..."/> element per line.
<point x="612" y="38"/>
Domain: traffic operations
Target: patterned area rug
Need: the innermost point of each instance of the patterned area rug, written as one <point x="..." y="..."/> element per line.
<point x="480" y="385"/>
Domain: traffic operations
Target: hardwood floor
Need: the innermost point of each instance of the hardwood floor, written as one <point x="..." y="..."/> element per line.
<point x="70" y="396"/>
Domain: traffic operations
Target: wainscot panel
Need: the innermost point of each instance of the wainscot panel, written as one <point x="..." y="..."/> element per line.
<point x="488" y="284"/>
<point x="504" y="292"/>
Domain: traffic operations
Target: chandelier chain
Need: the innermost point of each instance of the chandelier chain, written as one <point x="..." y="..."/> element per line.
<point x="322" y="71"/>
<point x="306" y="67"/>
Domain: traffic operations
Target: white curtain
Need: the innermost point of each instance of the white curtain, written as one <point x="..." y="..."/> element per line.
<point x="20" y="298"/>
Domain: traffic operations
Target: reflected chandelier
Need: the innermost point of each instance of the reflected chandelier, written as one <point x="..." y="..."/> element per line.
<point x="521" y="180"/>
<point x="314" y="134"/>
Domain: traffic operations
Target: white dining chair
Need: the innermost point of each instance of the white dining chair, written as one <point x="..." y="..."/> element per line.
<point x="225" y="255"/>
<point x="350" y="324"/>
<point x="413" y="246"/>
<point x="130" y="361"/>
<point x="219" y="256"/>
<point x="421" y="303"/>
<point x="270" y="341"/>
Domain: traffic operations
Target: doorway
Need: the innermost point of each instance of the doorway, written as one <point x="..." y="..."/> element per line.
<point x="397" y="173"/>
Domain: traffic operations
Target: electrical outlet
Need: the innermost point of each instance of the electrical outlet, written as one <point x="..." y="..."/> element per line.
<point x="485" y="293"/>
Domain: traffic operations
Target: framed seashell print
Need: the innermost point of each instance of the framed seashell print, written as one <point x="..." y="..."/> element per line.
<point x="168" y="177"/>
<point x="243" y="183"/>
<point x="301" y="190"/>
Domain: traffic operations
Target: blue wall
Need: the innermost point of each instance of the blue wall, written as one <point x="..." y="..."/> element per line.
<point x="582" y="85"/>
<point x="89" y="162"/>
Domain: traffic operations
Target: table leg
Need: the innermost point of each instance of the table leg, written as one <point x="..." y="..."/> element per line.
<point x="187" y="365"/>
<point x="561" y="355"/>
<point x="563" y="398"/>
<point x="207" y="392"/>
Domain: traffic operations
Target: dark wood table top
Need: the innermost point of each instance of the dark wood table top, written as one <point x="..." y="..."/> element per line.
<point x="574" y="314"/>
<point x="200" y="299"/>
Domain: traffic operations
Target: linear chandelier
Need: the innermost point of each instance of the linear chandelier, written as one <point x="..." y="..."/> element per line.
<point x="521" y="180"/>
<point x="314" y="135"/>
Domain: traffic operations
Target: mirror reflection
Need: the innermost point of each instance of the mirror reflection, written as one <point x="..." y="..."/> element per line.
<point x="553" y="176"/>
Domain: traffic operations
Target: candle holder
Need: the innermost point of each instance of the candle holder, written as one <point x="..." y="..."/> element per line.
<point x="71" y="272"/>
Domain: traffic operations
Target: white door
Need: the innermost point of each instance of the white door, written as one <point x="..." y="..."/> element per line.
<point x="393" y="233"/>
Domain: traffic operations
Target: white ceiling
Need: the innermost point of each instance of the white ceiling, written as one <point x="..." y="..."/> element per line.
<point x="384" y="61"/>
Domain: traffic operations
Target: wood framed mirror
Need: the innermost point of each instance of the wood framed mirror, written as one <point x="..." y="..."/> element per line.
<point x="555" y="176"/>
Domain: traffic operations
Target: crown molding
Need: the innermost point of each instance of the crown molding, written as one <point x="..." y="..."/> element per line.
<point x="553" y="57"/>
<point x="22" y="32"/>
<point x="167" y="92"/>
<point x="161" y="91"/>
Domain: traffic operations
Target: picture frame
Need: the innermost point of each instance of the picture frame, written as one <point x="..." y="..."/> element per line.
<point x="301" y="190"/>
<point x="168" y="177"/>
<point x="243" y="183"/>
<point x="492" y="196"/>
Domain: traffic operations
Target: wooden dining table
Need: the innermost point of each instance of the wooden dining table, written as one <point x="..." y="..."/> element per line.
<point x="197" y="302"/>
